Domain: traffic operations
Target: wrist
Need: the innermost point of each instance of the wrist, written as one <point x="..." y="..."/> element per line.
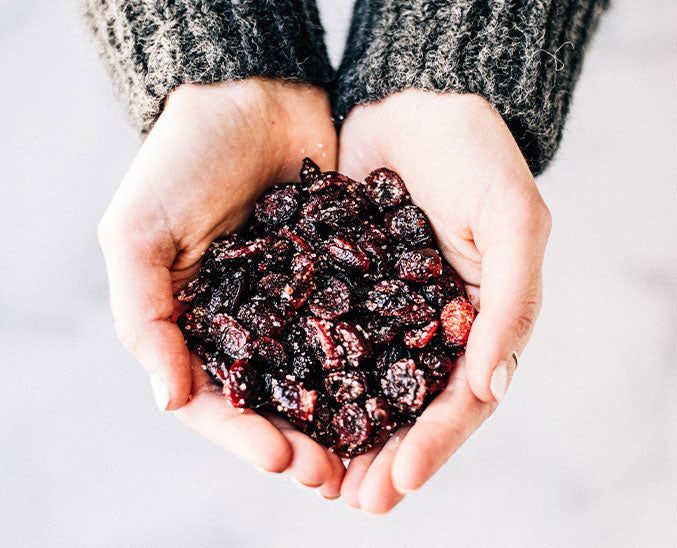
<point x="282" y="119"/>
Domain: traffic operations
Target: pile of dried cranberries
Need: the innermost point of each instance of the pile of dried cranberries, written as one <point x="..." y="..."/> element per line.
<point x="333" y="308"/>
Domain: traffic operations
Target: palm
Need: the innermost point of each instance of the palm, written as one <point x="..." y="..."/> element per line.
<point x="195" y="179"/>
<point x="463" y="168"/>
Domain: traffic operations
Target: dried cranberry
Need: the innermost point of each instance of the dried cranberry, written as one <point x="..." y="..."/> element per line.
<point x="404" y="386"/>
<point x="345" y="386"/>
<point x="395" y="298"/>
<point x="232" y="337"/>
<point x="309" y="171"/>
<point x="269" y="353"/>
<point x="320" y="332"/>
<point x="352" y="426"/>
<point x="419" y="337"/>
<point x="292" y="399"/>
<point x="331" y="300"/>
<point x="457" y="317"/>
<point x="419" y="265"/>
<point x="385" y="188"/>
<point x="241" y="386"/>
<point x="260" y="319"/>
<point x="440" y="291"/>
<point x="347" y="255"/>
<point x="277" y="206"/>
<point x="354" y="345"/>
<point x="409" y="225"/>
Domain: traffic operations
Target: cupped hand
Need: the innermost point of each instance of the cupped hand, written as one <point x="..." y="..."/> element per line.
<point x="210" y="155"/>
<point x="465" y="170"/>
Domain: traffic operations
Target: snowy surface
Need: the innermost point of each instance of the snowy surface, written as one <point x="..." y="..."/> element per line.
<point x="582" y="452"/>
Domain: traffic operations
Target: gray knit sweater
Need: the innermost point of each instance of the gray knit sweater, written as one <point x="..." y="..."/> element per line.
<point x="522" y="55"/>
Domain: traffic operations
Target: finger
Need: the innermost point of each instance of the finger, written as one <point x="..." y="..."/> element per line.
<point x="377" y="493"/>
<point x="443" y="427"/>
<point x="142" y="304"/>
<point x="243" y="433"/>
<point x="512" y="247"/>
<point x="331" y="489"/>
<point x="310" y="464"/>
<point x="355" y="473"/>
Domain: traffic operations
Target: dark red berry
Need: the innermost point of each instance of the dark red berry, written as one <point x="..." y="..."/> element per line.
<point x="309" y="171"/>
<point x="331" y="300"/>
<point x="379" y="413"/>
<point x="385" y="188"/>
<point x="269" y="353"/>
<point x="409" y="225"/>
<point x="345" y="386"/>
<point x="352" y="426"/>
<point x="419" y="265"/>
<point x="260" y="318"/>
<point x="231" y="336"/>
<point x="404" y="386"/>
<point x="277" y="206"/>
<point x="292" y="399"/>
<point x="354" y="345"/>
<point x="241" y="386"/>
<point x="320" y="332"/>
<point x="347" y="255"/>
<point x="443" y="289"/>
<point x="421" y="336"/>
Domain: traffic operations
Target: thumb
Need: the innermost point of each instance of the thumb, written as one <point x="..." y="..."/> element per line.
<point x="142" y="304"/>
<point x="510" y="297"/>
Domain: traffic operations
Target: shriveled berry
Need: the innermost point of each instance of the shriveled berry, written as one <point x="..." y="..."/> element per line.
<point x="269" y="353"/>
<point x="443" y="289"/>
<point x="277" y="206"/>
<point x="296" y="293"/>
<point x="409" y="225"/>
<point x="345" y="386"/>
<point x="419" y="337"/>
<point x="194" y="288"/>
<point x="320" y="332"/>
<point x="231" y="336"/>
<point x="396" y="299"/>
<point x="437" y="366"/>
<point x="241" y="386"/>
<point x="245" y="250"/>
<point x="381" y="330"/>
<point x="217" y="367"/>
<point x="379" y="413"/>
<point x="292" y="399"/>
<point x="299" y="243"/>
<point x="327" y="179"/>
<point x="419" y="265"/>
<point x="194" y="323"/>
<point x="227" y="296"/>
<point x="354" y="345"/>
<point x="309" y="171"/>
<point x="352" y="426"/>
<point x="457" y="317"/>
<point x="404" y="386"/>
<point x="385" y="188"/>
<point x="260" y="318"/>
<point x="273" y="284"/>
<point x="331" y="300"/>
<point x="347" y="255"/>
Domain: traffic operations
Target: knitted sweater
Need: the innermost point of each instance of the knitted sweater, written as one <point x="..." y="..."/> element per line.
<point x="524" y="56"/>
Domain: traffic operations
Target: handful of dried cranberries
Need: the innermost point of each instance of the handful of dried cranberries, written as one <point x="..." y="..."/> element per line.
<point x="332" y="308"/>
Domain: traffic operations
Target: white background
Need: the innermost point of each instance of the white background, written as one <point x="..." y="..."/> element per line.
<point x="582" y="452"/>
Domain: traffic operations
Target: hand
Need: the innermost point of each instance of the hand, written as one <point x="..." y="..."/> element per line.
<point x="464" y="169"/>
<point x="214" y="150"/>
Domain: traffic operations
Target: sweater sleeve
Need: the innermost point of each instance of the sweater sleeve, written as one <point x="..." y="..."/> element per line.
<point x="523" y="56"/>
<point x="152" y="46"/>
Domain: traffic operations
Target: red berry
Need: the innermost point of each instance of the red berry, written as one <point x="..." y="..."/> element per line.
<point x="457" y="317"/>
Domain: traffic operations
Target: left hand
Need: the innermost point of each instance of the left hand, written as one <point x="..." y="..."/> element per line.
<point x="465" y="170"/>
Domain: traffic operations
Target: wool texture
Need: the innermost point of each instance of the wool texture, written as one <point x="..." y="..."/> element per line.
<point x="152" y="46"/>
<point x="523" y="56"/>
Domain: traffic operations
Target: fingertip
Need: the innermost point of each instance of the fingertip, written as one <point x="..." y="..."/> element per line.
<point x="481" y="359"/>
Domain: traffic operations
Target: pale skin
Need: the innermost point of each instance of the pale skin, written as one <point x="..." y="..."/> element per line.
<point x="216" y="148"/>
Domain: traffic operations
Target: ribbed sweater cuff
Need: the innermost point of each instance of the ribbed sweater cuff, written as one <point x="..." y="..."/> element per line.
<point x="151" y="47"/>
<point x="523" y="56"/>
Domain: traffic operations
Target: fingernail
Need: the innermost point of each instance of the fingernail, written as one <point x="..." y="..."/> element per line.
<point x="317" y="492"/>
<point x="499" y="381"/>
<point x="160" y="392"/>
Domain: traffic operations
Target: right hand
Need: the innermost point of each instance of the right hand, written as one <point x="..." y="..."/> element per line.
<point x="214" y="150"/>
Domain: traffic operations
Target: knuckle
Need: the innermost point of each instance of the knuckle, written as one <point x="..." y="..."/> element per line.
<point x="525" y="320"/>
<point x="127" y="336"/>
